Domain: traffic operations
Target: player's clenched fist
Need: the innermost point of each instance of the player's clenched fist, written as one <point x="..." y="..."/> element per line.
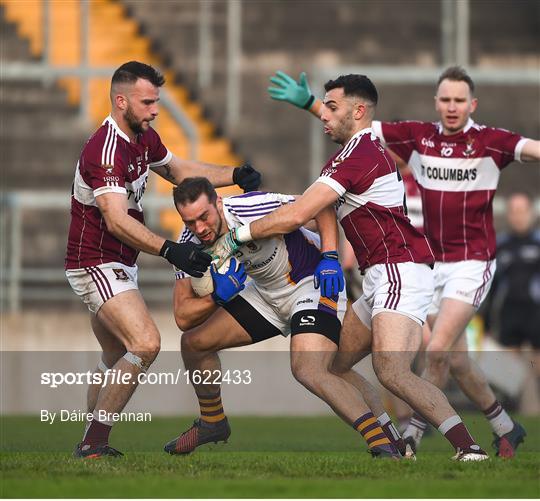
<point x="247" y="177"/>
<point x="188" y="256"/>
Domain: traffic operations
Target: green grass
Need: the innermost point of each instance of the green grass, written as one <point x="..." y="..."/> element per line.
<point x="266" y="457"/>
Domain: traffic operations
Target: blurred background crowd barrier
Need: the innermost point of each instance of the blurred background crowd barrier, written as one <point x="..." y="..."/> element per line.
<point x="57" y="57"/>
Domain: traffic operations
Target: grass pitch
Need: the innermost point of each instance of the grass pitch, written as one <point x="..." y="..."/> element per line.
<point x="267" y="458"/>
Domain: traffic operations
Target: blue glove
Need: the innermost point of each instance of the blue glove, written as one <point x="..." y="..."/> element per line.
<point x="228" y="284"/>
<point x="329" y="275"/>
<point x="288" y="89"/>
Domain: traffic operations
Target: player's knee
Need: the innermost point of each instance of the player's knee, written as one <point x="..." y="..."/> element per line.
<point x="459" y="364"/>
<point x="390" y="370"/>
<point x="193" y="341"/>
<point x="436" y="357"/>
<point x="305" y="373"/>
<point x="146" y="348"/>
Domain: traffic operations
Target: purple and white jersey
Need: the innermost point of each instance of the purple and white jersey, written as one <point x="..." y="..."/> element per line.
<point x="275" y="262"/>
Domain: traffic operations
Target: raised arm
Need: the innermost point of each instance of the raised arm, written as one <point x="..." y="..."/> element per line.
<point x="178" y="169"/>
<point x="296" y="93"/>
<point x="530" y="151"/>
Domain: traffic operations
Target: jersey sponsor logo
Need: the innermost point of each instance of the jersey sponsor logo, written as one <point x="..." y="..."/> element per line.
<point x="120" y="274"/>
<point x="304" y="301"/>
<point x="266" y="261"/>
<point x="108" y="168"/>
<point x="307" y="320"/>
<point x="448" y="174"/>
<point x="111" y="179"/>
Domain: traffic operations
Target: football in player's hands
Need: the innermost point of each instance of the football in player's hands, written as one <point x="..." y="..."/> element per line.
<point x="205" y="285"/>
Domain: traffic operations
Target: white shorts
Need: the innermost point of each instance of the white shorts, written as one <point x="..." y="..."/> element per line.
<point x="279" y="306"/>
<point x="467" y="281"/>
<point x="405" y="288"/>
<point x="96" y="284"/>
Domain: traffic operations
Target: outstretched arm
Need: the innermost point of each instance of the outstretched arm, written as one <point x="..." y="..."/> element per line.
<point x="219" y="175"/>
<point x="530" y="151"/>
<point x="285" y="219"/>
<point x="297" y="93"/>
<point x="291" y="216"/>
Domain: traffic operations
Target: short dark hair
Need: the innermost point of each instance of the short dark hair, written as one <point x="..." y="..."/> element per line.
<point x="191" y="188"/>
<point x="456" y="74"/>
<point x="355" y="85"/>
<point x="132" y="71"/>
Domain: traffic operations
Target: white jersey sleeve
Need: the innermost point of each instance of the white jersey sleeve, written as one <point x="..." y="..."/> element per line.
<point x="244" y="209"/>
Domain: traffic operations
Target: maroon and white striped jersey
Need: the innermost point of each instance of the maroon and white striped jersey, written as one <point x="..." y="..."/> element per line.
<point x="457" y="176"/>
<point x="109" y="163"/>
<point x="370" y="207"/>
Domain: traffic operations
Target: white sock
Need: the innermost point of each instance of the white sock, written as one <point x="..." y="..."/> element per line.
<point x="416" y="428"/>
<point x="500" y="421"/>
<point x="383" y="418"/>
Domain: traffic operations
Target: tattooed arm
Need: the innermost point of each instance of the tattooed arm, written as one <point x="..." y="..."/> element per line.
<point x="178" y="169"/>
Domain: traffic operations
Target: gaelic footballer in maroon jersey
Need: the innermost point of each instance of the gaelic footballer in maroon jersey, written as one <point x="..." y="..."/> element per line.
<point x="107" y="231"/>
<point x="370" y="207"/>
<point x="109" y="163"/>
<point x="457" y="176"/>
<point x="398" y="284"/>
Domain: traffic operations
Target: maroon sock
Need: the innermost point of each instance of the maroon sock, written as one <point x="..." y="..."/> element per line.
<point x="96" y="434"/>
<point x="457" y="434"/>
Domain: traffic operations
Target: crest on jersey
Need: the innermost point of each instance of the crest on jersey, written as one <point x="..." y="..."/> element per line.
<point x="252" y="246"/>
<point x="469" y="150"/>
<point x="108" y="168"/>
<point x="120" y="274"/>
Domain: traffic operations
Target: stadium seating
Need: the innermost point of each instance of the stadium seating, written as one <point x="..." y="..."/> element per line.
<point x="115" y="39"/>
<point x="295" y="35"/>
<point x="42" y="132"/>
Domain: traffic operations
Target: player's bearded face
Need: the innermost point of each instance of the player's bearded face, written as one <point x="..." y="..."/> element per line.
<point x="337" y="116"/>
<point x="454" y="103"/>
<point x="203" y="219"/>
<point x="137" y="125"/>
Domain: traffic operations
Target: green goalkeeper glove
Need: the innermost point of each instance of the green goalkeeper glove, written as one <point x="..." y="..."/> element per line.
<point x="288" y="89"/>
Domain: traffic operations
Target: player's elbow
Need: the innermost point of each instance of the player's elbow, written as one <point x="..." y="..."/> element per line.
<point x="183" y="322"/>
<point x="113" y="223"/>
